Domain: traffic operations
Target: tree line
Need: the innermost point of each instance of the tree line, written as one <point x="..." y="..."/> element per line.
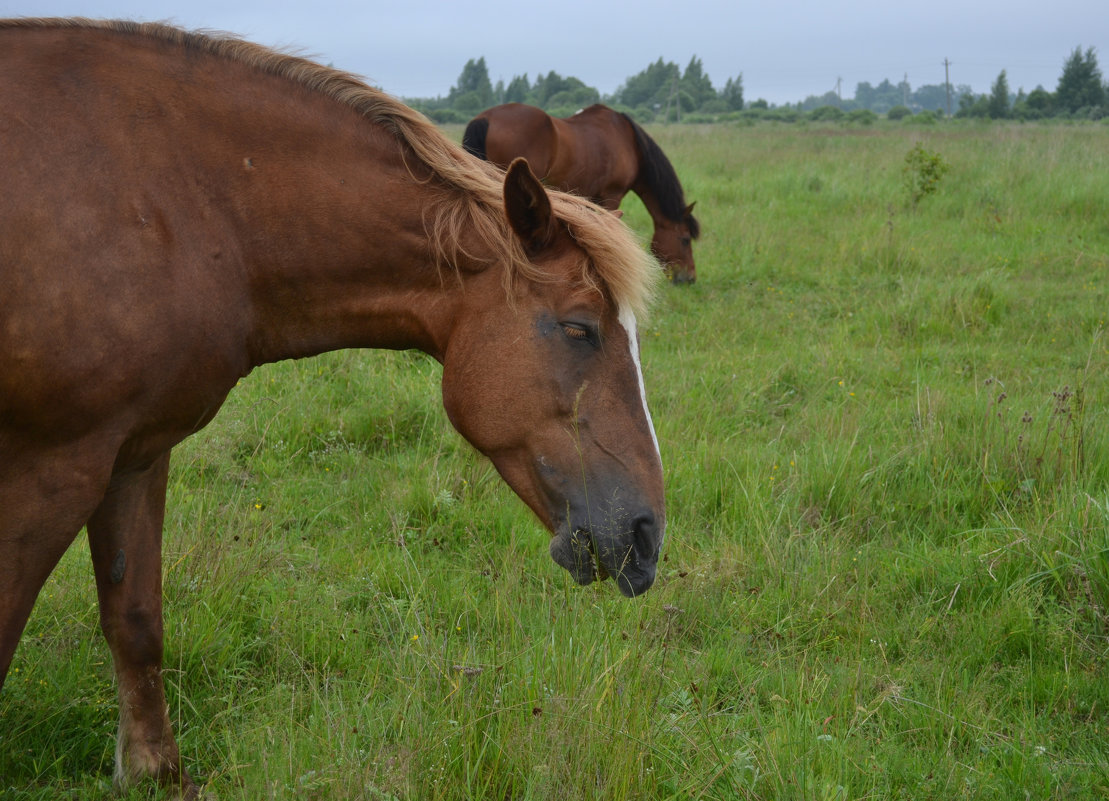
<point x="1080" y="94"/>
<point x="665" y="92"/>
<point x="661" y="91"/>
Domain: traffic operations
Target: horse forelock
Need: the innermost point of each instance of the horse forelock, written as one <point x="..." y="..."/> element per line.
<point x="622" y="265"/>
<point x="616" y="260"/>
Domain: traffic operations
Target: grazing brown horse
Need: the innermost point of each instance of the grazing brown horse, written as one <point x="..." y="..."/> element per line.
<point x="178" y="208"/>
<point x="600" y="154"/>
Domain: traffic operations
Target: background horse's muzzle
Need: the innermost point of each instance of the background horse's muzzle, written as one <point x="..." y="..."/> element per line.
<point x="628" y="552"/>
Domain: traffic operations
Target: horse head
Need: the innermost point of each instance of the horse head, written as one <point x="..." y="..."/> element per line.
<point x="548" y="385"/>
<point x="673" y="245"/>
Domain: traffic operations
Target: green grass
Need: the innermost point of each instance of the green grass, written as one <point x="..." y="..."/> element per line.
<point x="885" y="429"/>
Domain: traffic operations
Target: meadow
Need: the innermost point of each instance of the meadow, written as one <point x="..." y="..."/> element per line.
<point x="884" y="419"/>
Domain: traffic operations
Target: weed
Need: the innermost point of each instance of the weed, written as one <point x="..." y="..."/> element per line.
<point x="922" y="173"/>
<point x="1040" y="453"/>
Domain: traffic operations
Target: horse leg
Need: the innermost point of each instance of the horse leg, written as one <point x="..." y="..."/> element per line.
<point x="125" y="538"/>
<point x="25" y="562"/>
<point x="45" y="498"/>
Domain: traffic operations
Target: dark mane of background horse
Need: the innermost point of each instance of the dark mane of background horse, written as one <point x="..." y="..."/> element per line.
<point x="659" y="175"/>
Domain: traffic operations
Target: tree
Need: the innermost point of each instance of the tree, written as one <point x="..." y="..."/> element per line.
<point x="473" y="92"/>
<point x="650" y="87"/>
<point x="827" y="100"/>
<point x="732" y="93"/>
<point x="880" y="98"/>
<point x="696" y="84"/>
<point x="1040" y="101"/>
<point x="997" y="107"/>
<point x="518" y="89"/>
<point x="932" y="97"/>
<point x="1080" y="84"/>
<point x="972" y="105"/>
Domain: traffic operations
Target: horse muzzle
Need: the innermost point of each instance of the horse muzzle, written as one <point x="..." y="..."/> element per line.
<point x="628" y="553"/>
<point x="680" y="275"/>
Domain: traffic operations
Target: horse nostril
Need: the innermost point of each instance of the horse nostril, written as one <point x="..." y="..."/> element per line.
<point x="645" y="537"/>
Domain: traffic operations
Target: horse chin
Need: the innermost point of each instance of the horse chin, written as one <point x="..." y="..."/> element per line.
<point x="573" y="550"/>
<point x="681" y="273"/>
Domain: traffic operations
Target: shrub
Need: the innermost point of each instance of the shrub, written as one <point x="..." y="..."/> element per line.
<point x="826" y="113"/>
<point x="899" y="113"/>
<point x="922" y="172"/>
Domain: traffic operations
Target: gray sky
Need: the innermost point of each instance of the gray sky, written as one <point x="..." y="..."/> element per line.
<point x="785" y="50"/>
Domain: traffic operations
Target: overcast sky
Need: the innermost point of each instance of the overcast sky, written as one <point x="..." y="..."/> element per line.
<point x="785" y="50"/>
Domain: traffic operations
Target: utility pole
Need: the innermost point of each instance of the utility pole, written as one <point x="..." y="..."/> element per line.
<point x="947" y="84"/>
<point x="675" y="98"/>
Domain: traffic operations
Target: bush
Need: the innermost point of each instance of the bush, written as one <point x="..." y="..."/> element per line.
<point x="899" y="113"/>
<point x="832" y="113"/>
<point x="446" y="116"/>
<point x="862" y="116"/>
<point x="716" y="106"/>
<point x="923" y="118"/>
<point x="922" y="172"/>
<point x="782" y="115"/>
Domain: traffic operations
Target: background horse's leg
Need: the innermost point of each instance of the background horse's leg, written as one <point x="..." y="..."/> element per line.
<point x="125" y="537"/>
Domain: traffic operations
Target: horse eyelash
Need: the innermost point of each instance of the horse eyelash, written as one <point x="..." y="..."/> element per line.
<point x="577" y="332"/>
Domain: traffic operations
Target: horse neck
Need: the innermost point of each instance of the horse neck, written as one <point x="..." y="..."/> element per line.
<point x="351" y="293"/>
<point x="349" y="265"/>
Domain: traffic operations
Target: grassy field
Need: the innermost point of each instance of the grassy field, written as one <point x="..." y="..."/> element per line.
<point x="885" y="426"/>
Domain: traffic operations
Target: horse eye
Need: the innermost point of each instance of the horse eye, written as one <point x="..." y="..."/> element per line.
<point x="577" y="332"/>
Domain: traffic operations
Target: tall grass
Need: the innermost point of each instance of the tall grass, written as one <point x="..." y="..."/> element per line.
<point x="884" y="427"/>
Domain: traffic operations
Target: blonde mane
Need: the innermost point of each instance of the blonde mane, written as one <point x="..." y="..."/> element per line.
<point x="617" y="263"/>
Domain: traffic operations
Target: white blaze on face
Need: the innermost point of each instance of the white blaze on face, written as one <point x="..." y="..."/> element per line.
<point x="627" y="319"/>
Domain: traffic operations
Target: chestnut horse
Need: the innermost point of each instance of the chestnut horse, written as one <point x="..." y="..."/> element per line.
<point x="178" y="208"/>
<point x="600" y="154"/>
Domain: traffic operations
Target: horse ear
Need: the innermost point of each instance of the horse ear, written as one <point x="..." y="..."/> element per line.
<point x="527" y="206"/>
<point x="689" y="209"/>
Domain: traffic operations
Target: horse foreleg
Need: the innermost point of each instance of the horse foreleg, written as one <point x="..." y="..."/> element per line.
<point x="125" y="538"/>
